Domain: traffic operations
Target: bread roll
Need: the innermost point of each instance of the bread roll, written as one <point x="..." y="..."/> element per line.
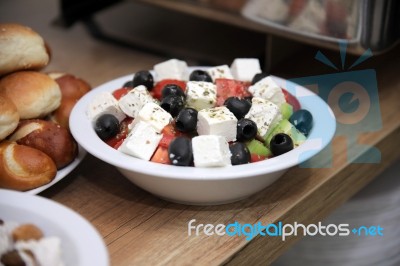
<point x="48" y="137"/>
<point x="24" y="168"/>
<point x="72" y="89"/>
<point x="34" y="94"/>
<point x="21" y="48"/>
<point x="26" y="232"/>
<point x="9" y="117"/>
<point x="61" y="115"/>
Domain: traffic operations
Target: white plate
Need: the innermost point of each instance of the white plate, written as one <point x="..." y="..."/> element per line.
<point x="61" y="173"/>
<point x="81" y="244"/>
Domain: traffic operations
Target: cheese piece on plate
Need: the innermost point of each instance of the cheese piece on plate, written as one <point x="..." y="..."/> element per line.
<point x="244" y="69"/>
<point x="217" y="121"/>
<point x="269" y="90"/>
<point x="134" y="100"/>
<point x="141" y="141"/>
<point x="171" y="69"/>
<point x="220" y="72"/>
<point x="201" y="94"/>
<point x="154" y="115"/>
<point x="265" y="114"/>
<point x="45" y="251"/>
<point x="211" y="151"/>
<point x="104" y="103"/>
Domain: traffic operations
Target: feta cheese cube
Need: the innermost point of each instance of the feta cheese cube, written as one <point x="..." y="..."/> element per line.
<point x="201" y="94"/>
<point x="244" y="69"/>
<point x="134" y="100"/>
<point x="219" y="72"/>
<point x="141" y="141"/>
<point x="217" y="121"/>
<point x="265" y="114"/>
<point x="211" y="151"/>
<point x="268" y="90"/>
<point x="104" y="103"/>
<point x="154" y="115"/>
<point x="171" y="69"/>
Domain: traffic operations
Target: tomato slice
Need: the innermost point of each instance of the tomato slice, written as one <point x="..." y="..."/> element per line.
<point x="120" y="92"/>
<point x="156" y="91"/>
<point x="116" y="141"/>
<point x="169" y="133"/>
<point x="256" y="158"/>
<point x="230" y="88"/>
<point x="290" y="99"/>
<point x="161" y="156"/>
<point x="170" y="130"/>
<point x="166" y="140"/>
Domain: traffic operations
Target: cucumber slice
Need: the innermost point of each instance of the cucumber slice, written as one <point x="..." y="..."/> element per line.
<point x="284" y="126"/>
<point x="257" y="147"/>
<point x="286" y="110"/>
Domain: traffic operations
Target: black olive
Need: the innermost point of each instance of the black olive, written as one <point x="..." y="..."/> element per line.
<point x="145" y="78"/>
<point x="200" y="75"/>
<point x="280" y="144"/>
<point x="172" y="104"/>
<point x="257" y="77"/>
<point x="128" y="84"/>
<point x="239" y="107"/>
<point x="106" y="126"/>
<point x="180" y="151"/>
<point x="186" y="121"/>
<point x="172" y="89"/>
<point x="302" y="120"/>
<point x="246" y="129"/>
<point x="12" y="258"/>
<point x="240" y="153"/>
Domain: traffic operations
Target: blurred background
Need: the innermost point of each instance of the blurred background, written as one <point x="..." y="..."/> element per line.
<point x="205" y="32"/>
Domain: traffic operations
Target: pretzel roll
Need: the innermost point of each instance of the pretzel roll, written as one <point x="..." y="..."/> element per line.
<point x="21" y="48"/>
<point x="61" y="115"/>
<point x="72" y="89"/>
<point x="24" y="168"/>
<point x="9" y="117"/>
<point x="48" y="137"/>
<point x="34" y="94"/>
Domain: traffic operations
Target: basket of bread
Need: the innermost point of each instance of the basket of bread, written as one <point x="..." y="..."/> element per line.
<point x="35" y="141"/>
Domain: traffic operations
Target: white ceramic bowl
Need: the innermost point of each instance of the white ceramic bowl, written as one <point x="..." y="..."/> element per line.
<point x="205" y="186"/>
<point x="81" y="244"/>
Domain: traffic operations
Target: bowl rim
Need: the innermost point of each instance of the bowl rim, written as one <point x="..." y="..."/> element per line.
<point x="82" y="130"/>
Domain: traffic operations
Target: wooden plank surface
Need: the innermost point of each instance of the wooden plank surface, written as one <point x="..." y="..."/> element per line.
<point x="140" y="229"/>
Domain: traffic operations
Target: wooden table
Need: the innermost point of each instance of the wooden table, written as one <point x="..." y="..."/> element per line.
<point x="140" y="229"/>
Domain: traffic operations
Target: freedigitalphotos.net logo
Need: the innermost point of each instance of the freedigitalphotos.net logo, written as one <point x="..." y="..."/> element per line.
<point x="353" y="97"/>
<point x="249" y="231"/>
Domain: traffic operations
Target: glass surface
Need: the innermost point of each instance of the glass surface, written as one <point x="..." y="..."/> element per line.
<point x="332" y="18"/>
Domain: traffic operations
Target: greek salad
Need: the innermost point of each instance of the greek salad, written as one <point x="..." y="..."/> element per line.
<point x="203" y="117"/>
